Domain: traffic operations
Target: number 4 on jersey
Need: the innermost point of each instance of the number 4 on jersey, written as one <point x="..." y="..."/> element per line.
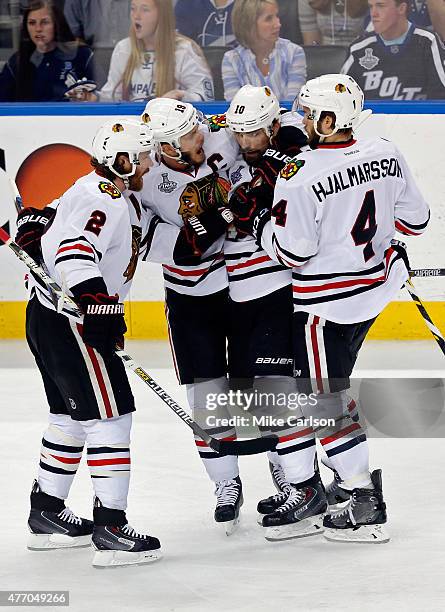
<point x="365" y="226"/>
<point x="279" y="213"/>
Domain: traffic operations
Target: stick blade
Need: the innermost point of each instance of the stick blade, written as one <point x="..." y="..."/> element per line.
<point x="246" y="447"/>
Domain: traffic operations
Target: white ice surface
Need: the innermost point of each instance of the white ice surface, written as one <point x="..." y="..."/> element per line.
<point x="171" y="497"/>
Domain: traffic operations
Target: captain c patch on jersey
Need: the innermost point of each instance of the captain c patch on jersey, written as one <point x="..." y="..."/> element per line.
<point x="109" y="188"/>
<point x="291" y="169"/>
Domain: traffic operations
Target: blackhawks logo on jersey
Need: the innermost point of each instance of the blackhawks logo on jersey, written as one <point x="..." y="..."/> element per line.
<point x="211" y="190"/>
<point x="217" y="122"/>
<point x="109" y="188"/>
<point x="291" y="169"/>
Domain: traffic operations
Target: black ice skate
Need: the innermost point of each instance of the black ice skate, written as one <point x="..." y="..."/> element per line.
<point x="229" y="499"/>
<point x="362" y="519"/>
<point x="270" y="504"/>
<point x="300" y="515"/>
<point x="119" y="544"/>
<point x="335" y="494"/>
<point x="52" y="525"/>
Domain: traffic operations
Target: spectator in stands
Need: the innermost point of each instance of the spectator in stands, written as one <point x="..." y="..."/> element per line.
<point x="48" y="61"/>
<point x="208" y="22"/>
<point x="155" y="60"/>
<point x="397" y="61"/>
<point x="331" y="22"/>
<point x="262" y="58"/>
<point x="428" y="14"/>
<point x="100" y="23"/>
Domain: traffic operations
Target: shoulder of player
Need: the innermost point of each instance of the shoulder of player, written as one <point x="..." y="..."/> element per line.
<point x="427" y="39"/>
<point x="93" y="190"/>
<point x="300" y="170"/>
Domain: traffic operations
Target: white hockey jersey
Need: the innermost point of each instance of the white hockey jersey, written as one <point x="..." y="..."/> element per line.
<point x="251" y="271"/>
<point x="169" y="197"/>
<point x="96" y="232"/>
<point x="191" y="73"/>
<point x="335" y="212"/>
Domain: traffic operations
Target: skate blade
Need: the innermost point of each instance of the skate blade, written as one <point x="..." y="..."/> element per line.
<point x="52" y="541"/>
<point x="366" y="534"/>
<point x="229" y="527"/>
<point x="307" y="527"/>
<point x="105" y="559"/>
<point x="259" y="519"/>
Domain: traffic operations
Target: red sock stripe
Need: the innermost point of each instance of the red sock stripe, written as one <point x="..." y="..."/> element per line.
<point x="203" y="444"/>
<point x="341" y="433"/>
<point x="66" y="459"/>
<point x="116" y="461"/>
<point x="299" y="434"/>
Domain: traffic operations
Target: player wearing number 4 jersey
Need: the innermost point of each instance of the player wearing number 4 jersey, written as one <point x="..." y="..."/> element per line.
<point x="336" y="210"/>
<point x="91" y="248"/>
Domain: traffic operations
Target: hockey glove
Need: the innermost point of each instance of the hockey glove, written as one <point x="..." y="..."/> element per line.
<point x="31" y="225"/>
<point x="250" y="212"/>
<point x="199" y="233"/>
<point x="401" y="249"/>
<point x="103" y="320"/>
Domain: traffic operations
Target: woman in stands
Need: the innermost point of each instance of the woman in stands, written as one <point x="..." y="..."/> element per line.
<point x="262" y="57"/>
<point x="155" y="60"/>
<point x="49" y="60"/>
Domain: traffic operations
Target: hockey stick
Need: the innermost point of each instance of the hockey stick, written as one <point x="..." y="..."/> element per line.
<point x="426" y="317"/>
<point x="223" y="447"/>
<point x="427" y="272"/>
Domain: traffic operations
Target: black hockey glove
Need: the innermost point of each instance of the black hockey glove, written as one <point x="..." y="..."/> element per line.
<point x="199" y="233"/>
<point x="250" y="212"/>
<point x="103" y="321"/>
<point x="31" y="225"/>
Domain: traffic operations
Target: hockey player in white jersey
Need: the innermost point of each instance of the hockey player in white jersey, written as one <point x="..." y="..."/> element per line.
<point x="260" y="330"/>
<point x="90" y="247"/>
<point x="187" y="198"/>
<point x="336" y="210"/>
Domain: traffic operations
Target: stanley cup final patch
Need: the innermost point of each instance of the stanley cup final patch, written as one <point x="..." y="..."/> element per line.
<point x="368" y="61"/>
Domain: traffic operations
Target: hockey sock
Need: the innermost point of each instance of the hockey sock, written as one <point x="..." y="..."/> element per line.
<point x="277" y="396"/>
<point x="108" y="450"/>
<point x="60" y="454"/>
<point x="212" y="417"/>
<point x="345" y="441"/>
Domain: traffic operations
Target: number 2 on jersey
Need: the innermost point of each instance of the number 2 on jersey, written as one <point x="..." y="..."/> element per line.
<point x="365" y="226"/>
<point x="96" y="222"/>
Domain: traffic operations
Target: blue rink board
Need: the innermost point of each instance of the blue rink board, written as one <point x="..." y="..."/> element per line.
<point x="211" y="108"/>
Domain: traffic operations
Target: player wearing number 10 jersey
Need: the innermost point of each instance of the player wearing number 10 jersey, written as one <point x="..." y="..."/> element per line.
<point x="336" y="209"/>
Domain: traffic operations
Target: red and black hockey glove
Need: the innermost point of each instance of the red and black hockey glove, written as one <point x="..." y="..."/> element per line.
<point x="103" y="320"/>
<point x="31" y="225"/>
<point x="250" y="212"/>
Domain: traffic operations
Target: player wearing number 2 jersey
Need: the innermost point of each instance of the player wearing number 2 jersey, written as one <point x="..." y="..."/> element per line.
<point x="336" y="210"/>
<point x="91" y="248"/>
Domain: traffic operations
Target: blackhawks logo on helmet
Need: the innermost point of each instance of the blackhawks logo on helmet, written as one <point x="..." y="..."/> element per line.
<point x="291" y="169"/>
<point x="207" y="192"/>
<point x="217" y="122"/>
<point x="109" y="188"/>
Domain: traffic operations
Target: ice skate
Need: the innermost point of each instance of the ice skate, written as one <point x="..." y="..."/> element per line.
<point x="117" y="546"/>
<point x="229" y="499"/>
<point x="52" y="525"/>
<point x="335" y="494"/>
<point x="270" y="504"/>
<point x="362" y="519"/>
<point x="300" y="514"/>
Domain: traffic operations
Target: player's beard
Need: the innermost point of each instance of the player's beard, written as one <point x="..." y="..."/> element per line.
<point x="253" y="156"/>
<point x="136" y="182"/>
